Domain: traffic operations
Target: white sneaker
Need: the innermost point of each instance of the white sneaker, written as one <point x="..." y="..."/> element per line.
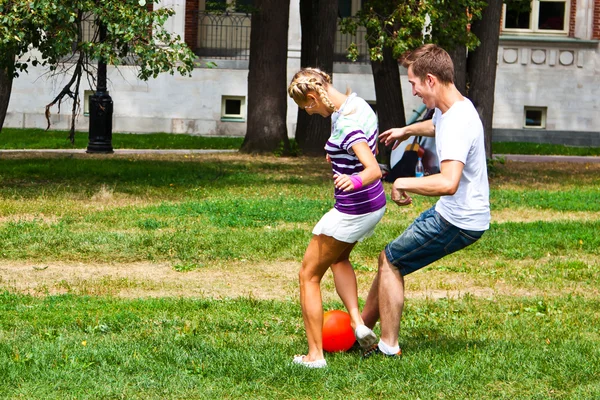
<point x="309" y="364"/>
<point x="365" y="336"/>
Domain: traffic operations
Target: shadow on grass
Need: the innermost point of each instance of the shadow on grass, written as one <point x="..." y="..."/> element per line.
<point x="130" y="174"/>
<point x="428" y="341"/>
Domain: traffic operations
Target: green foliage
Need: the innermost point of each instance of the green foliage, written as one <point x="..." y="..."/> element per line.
<point x="56" y="27"/>
<point x="66" y="35"/>
<point x="404" y="25"/>
<point x="451" y="20"/>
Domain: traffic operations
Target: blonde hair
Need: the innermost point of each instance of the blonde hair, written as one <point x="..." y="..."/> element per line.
<point x="310" y="80"/>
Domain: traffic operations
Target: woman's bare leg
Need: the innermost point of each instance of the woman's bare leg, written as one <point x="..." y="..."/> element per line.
<point x="346" y="286"/>
<point x="321" y="253"/>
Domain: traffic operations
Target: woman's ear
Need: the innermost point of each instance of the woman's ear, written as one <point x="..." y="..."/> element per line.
<point x="310" y="97"/>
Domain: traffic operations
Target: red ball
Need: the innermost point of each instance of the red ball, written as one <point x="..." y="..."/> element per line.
<point x="337" y="332"/>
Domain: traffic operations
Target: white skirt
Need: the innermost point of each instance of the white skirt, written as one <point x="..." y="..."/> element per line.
<point x="346" y="227"/>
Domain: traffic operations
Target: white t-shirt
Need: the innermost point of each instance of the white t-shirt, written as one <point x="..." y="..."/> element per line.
<point x="459" y="137"/>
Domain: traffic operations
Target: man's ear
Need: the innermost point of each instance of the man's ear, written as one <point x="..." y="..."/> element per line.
<point x="430" y="79"/>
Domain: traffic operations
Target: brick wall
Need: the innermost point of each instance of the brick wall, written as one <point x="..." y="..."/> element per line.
<point x="572" y="18"/>
<point x="191" y="23"/>
<point x="596" y="21"/>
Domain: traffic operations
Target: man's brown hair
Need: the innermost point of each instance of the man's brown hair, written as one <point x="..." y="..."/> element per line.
<point x="430" y="59"/>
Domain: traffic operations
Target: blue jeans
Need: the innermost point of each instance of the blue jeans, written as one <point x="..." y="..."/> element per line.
<point x="429" y="238"/>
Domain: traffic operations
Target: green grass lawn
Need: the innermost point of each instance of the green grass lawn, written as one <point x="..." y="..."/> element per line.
<point x="543" y="149"/>
<point x="12" y="138"/>
<point x="94" y="347"/>
<point x="514" y="316"/>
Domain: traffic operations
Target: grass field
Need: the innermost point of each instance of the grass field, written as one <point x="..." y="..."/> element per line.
<point x="175" y="276"/>
<point x="12" y="138"/>
<point x="543" y="149"/>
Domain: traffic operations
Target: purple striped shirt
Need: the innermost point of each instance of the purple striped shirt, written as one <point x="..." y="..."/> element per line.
<point x="354" y="123"/>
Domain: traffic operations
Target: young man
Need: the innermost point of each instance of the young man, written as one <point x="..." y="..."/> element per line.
<point x="461" y="215"/>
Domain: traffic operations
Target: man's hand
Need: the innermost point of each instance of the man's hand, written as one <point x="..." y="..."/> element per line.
<point x="397" y="135"/>
<point x="400" y="197"/>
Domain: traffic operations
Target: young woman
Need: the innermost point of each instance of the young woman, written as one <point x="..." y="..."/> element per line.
<point x="359" y="205"/>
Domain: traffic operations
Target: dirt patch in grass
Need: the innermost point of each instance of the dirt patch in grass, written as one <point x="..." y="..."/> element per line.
<point x="275" y="280"/>
<point x="270" y="281"/>
<point x="48" y="219"/>
<point x="531" y="215"/>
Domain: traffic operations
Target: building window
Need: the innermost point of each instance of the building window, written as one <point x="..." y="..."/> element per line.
<point x="535" y="117"/>
<point x="86" y="102"/>
<point x="348" y="8"/>
<point x="233" y="108"/>
<point x="537" y="16"/>
<point x="226" y="5"/>
<point x="344" y="8"/>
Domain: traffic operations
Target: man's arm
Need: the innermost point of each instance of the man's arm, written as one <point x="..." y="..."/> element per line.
<point x="442" y="184"/>
<point x="423" y="128"/>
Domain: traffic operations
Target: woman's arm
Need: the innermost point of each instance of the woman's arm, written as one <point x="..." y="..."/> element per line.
<point x="370" y="174"/>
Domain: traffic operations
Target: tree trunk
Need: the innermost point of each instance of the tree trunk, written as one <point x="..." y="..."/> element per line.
<point x="459" y="59"/>
<point x="318" y="19"/>
<point x="267" y="101"/>
<point x="388" y="92"/>
<point x="481" y="67"/>
<point x="6" y="79"/>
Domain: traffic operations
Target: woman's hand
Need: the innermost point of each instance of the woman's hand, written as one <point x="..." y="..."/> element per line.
<point x="343" y="182"/>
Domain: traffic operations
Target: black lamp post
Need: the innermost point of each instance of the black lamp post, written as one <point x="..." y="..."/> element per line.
<point x="101" y="110"/>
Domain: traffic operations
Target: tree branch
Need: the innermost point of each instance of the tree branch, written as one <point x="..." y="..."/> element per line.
<point x="67" y="90"/>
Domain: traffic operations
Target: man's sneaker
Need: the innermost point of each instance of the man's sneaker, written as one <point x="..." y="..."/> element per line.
<point x="375" y="350"/>
<point x="365" y="336"/>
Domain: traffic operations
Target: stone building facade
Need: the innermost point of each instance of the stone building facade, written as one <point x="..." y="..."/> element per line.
<point x="547" y="81"/>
